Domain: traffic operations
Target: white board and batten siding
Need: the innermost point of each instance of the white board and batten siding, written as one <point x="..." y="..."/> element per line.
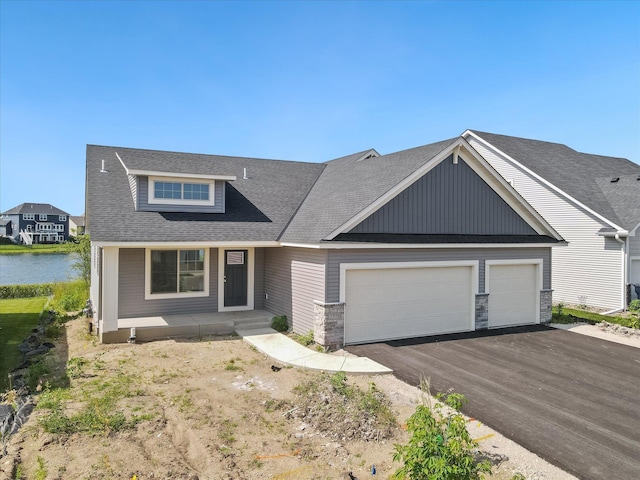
<point x="385" y="301"/>
<point x="589" y="270"/>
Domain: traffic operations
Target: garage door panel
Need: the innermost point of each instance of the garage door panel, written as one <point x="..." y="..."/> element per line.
<point x="388" y="303"/>
<point x="513" y="294"/>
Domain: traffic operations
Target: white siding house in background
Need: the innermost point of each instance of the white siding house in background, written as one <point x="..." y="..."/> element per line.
<point x="592" y="201"/>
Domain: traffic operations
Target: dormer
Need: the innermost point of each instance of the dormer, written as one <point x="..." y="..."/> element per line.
<point x="161" y="191"/>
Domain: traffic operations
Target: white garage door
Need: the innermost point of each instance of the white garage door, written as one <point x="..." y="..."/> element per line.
<point x="390" y="303"/>
<point x="513" y="294"/>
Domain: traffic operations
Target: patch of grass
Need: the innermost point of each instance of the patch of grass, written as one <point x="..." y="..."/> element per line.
<point x="10" y="249"/>
<point x="37" y="374"/>
<point x="562" y="314"/>
<point x="75" y="367"/>
<point x="99" y="412"/>
<point x="69" y="296"/>
<point x="227" y="430"/>
<point x="41" y="472"/>
<point x="232" y="366"/>
<point x="17" y="317"/>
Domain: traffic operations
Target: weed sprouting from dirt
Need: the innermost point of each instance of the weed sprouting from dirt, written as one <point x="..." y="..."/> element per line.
<point x="344" y="411"/>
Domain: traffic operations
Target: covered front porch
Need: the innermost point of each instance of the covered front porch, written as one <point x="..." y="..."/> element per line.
<point x="161" y="327"/>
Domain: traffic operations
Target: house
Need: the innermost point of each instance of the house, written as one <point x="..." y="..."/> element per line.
<point x="592" y="201"/>
<point x="362" y="248"/>
<point x="76" y="224"/>
<point x="36" y="223"/>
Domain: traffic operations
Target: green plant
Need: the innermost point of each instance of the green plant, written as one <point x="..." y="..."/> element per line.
<point x="41" y="471"/>
<point x="634" y="306"/>
<point x="75" y="367"/>
<point x="82" y="250"/>
<point x="518" y="476"/>
<point x="559" y="308"/>
<point x="26" y="291"/>
<point x="306" y="339"/>
<point x="69" y="296"/>
<point x="279" y="323"/>
<point x="232" y="366"/>
<point x="440" y="446"/>
<point x="37" y="374"/>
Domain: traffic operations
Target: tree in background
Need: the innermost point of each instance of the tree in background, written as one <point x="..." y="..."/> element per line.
<point x="82" y="250"/>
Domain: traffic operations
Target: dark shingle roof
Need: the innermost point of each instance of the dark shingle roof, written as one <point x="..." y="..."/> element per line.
<point x="36" y="208"/>
<point x="624" y="197"/>
<point x="575" y="173"/>
<point x="258" y="208"/>
<point x="347" y="186"/>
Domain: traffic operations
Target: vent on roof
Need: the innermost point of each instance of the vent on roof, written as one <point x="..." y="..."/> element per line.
<point x="615" y="179"/>
<point x="103" y="170"/>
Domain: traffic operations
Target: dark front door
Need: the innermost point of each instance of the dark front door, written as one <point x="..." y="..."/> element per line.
<point x="235" y="278"/>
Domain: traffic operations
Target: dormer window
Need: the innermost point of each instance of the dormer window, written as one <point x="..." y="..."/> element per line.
<point x="181" y="191"/>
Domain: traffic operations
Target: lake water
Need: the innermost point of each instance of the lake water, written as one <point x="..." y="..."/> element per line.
<point x="26" y="268"/>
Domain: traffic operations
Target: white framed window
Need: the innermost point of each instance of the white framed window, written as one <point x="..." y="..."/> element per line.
<point x="62" y="218"/>
<point x="59" y="227"/>
<point x="28" y="216"/>
<point x="176" y="273"/>
<point x="42" y="217"/>
<point x="28" y="228"/>
<point x="166" y="190"/>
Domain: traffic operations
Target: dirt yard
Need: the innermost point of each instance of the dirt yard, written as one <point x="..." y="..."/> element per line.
<point x="210" y="408"/>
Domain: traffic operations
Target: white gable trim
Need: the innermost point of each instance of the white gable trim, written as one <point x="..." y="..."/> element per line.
<point x="548" y="184"/>
<point x="460" y="148"/>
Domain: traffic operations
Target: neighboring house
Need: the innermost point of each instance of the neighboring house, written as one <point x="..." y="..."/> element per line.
<point x="37" y="223"/>
<point x="76" y="224"/>
<point x="591" y="200"/>
<point x="363" y="248"/>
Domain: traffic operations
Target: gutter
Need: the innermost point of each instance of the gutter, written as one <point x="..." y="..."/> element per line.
<point x="618" y="235"/>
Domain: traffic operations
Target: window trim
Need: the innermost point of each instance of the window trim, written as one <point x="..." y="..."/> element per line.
<point x="42" y="217"/>
<point x="152" y="200"/>
<point x="29" y="216"/>
<point x="62" y="218"/>
<point x="158" y="296"/>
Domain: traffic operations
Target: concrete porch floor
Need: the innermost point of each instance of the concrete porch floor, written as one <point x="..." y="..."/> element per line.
<point x="187" y="325"/>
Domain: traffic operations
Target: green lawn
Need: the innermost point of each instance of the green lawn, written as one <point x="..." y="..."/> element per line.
<point x="17" y="317"/>
<point x="10" y="249"/>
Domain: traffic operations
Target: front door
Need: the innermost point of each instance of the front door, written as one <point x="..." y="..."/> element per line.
<point x="235" y="278"/>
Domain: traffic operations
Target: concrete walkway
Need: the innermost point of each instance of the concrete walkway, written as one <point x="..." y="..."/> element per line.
<point x="289" y="352"/>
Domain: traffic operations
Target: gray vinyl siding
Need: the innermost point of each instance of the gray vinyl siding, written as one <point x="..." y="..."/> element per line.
<point x="294" y="279"/>
<point x="336" y="257"/>
<point x="143" y="197"/>
<point x="131" y="286"/>
<point x="258" y="279"/>
<point x="451" y="199"/>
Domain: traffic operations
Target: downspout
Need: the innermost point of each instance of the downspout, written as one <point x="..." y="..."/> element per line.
<point x="624" y="274"/>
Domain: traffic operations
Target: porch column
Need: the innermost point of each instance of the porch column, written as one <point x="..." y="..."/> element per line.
<point x="110" y="260"/>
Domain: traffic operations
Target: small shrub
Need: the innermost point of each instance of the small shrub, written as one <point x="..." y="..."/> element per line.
<point x="26" y="291"/>
<point x="306" y="339"/>
<point x="37" y="374"/>
<point x="280" y="323"/>
<point x="69" y="296"/>
<point x="440" y="446"/>
<point x="634" y="306"/>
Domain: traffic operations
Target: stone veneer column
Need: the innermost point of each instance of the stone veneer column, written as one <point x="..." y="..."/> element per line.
<point x="328" y="327"/>
<point x="482" y="311"/>
<point x="546" y="305"/>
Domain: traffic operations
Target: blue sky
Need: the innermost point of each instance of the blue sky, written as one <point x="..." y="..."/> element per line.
<point x="306" y="81"/>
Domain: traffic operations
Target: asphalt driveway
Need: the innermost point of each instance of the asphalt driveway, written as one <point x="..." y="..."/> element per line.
<point x="573" y="400"/>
